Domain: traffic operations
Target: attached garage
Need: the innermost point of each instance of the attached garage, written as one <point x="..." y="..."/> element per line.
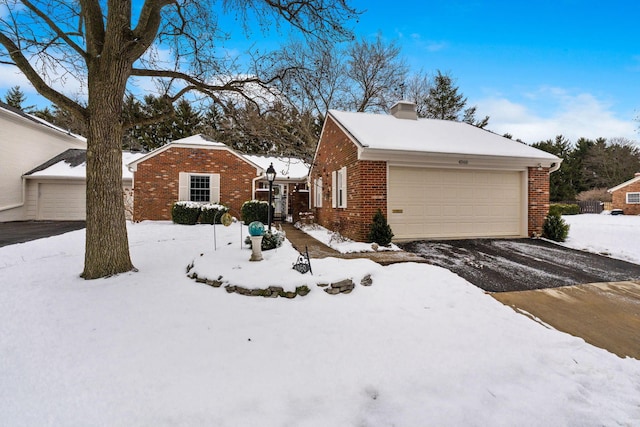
<point x="452" y="203"/>
<point x="56" y="190"/>
<point x="61" y="201"/>
<point x="432" y="179"/>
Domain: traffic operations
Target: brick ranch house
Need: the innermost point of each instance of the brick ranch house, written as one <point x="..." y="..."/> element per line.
<point x="433" y="179"/>
<point x="626" y="196"/>
<point x="199" y="169"/>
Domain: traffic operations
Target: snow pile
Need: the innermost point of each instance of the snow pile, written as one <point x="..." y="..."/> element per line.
<point x="420" y="346"/>
<point x="340" y="243"/>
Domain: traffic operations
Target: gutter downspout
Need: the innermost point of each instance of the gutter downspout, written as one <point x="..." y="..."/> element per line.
<point x="555" y="166"/>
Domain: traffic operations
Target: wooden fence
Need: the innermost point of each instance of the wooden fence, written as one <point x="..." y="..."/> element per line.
<point x="591" y="206"/>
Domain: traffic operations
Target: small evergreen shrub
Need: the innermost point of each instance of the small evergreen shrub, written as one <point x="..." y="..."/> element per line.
<point x="185" y="213"/>
<point x="555" y="228"/>
<point x="380" y="232"/>
<point x="270" y="240"/>
<point x="211" y="212"/>
<point x="255" y="210"/>
<point x="564" y="209"/>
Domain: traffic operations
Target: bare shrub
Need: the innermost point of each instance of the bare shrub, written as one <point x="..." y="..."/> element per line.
<point x="597" y="194"/>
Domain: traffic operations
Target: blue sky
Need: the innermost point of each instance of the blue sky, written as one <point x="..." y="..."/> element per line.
<point x="538" y="69"/>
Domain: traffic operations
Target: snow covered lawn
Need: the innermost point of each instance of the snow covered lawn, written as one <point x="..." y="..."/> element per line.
<point x="615" y="235"/>
<point x="421" y="346"/>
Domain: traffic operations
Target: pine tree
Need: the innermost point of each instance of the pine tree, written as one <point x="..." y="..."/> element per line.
<point x="444" y="102"/>
<point x="380" y="231"/>
<point x="15" y="98"/>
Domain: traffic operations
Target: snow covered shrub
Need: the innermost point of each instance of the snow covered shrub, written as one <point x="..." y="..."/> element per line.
<point x="270" y="240"/>
<point x="211" y="212"/>
<point x="185" y="213"/>
<point x="555" y="228"/>
<point x="255" y="210"/>
<point x="380" y="232"/>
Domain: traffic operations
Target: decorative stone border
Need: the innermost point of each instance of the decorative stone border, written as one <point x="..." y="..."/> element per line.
<point x="342" y="287"/>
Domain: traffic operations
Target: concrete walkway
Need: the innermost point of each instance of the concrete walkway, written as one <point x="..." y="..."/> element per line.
<point x="606" y="315"/>
<point x="301" y="240"/>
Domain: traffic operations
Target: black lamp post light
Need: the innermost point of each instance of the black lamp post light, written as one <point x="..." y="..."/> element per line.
<point x="271" y="176"/>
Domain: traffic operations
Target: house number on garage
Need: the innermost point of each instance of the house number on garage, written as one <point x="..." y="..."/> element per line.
<point x="397" y="210"/>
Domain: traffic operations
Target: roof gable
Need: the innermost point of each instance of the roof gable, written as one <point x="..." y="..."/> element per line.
<point x="387" y="133"/>
<point x="286" y="167"/>
<point x="624" y="184"/>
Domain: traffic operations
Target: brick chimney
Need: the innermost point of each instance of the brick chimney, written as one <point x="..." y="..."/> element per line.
<point x="404" y="110"/>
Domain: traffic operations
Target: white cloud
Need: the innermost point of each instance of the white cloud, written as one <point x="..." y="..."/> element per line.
<point x="552" y="111"/>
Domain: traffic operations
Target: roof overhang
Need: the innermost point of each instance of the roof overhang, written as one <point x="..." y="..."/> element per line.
<point x="457" y="161"/>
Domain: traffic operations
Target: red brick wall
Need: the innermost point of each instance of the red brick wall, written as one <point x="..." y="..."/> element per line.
<point x="619" y="199"/>
<point x="366" y="185"/>
<point x="538" y="192"/>
<point x="156" y="180"/>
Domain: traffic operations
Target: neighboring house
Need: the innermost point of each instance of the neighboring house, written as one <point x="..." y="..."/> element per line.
<point x="200" y="169"/>
<point x="626" y="196"/>
<point x="25" y="143"/>
<point x="56" y="189"/>
<point x="433" y="179"/>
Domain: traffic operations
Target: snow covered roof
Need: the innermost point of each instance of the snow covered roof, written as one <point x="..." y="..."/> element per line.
<point x="385" y="132"/>
<point x="72" y="163"/>
<point x="286" y="167"/>
<point x="198" y="139"/>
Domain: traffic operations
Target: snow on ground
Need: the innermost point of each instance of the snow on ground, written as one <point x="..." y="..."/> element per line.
<point x="341" y="243"/>
<point x="617" y="236"/>
<point x="421" y="346"/>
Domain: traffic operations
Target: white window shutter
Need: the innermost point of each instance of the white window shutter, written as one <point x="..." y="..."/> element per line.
<point x="214" y="186"/>
<point x="334" y="189"/>
<point x="319" y="194"/>
<point x="343" y="183"/>
<point x="183" y="186"/>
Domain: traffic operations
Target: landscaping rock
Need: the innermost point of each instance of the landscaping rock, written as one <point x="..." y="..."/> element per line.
<point x="366" y="280"/>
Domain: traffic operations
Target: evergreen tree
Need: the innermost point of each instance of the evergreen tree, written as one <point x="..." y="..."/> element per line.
<point x="15" y="98"/>
<point x="444" y="102"/>
<point x="561" y="181"/>
<point x="380" y="231"/>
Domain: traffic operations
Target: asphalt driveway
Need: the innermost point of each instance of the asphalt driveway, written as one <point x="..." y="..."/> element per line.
<point x="505" y="265"/>
<point x="24" y="231"/>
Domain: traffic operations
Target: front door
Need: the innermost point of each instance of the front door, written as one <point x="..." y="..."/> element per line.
<point x="280" y="192"/>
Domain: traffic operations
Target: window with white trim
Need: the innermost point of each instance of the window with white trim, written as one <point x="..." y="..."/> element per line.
<point x="199" y="187"/>
<point x="339" y="188"/>
<point x="317" y="192"/>
<point x="633" y="198"/>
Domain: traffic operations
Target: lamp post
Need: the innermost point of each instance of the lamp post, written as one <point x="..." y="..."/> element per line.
<point x="271" y="176"/>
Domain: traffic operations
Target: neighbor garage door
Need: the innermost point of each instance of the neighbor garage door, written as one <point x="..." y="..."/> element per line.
<point x="58" y="201"/>
<point x="447" y="203"/>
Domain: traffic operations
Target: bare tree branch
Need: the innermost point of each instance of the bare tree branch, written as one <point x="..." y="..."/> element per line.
<point x="54" y="27"/>
<point x="41" y="86"/>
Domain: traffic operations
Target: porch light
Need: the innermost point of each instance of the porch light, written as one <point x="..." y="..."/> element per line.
<point x="271" y="176"/>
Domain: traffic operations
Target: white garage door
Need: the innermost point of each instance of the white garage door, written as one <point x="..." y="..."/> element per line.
<point x="58" y="201"/>
<point x="447" y="203"/>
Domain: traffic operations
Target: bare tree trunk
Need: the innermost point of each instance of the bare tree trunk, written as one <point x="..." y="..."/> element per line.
<point x="106" y="246"/>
